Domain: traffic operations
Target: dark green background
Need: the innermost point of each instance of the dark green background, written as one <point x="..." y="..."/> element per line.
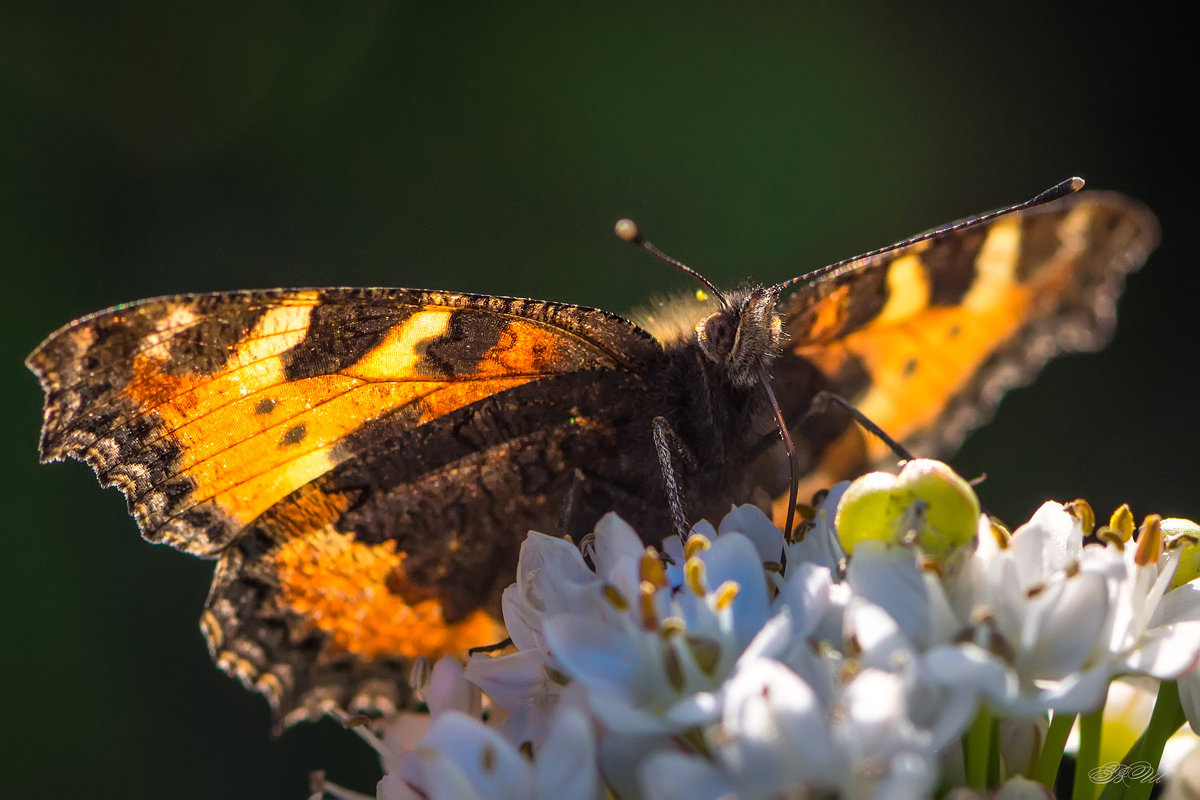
<point x="156" y="148"/>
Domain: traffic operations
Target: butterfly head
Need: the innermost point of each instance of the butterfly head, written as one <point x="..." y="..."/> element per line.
<point x="744" y="335"/>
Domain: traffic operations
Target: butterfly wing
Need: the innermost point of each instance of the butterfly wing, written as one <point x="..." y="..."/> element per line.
<point x="360" y="460"/>
<point x="925" y="340"/>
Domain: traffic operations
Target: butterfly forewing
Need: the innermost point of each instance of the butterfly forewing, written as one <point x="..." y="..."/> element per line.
<point x="924" y="341"/>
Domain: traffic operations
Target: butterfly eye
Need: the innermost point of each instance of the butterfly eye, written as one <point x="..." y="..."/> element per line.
<point x="717" y="335"/>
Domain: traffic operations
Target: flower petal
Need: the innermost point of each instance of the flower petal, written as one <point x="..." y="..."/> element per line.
<point x="594" y="652"/>
<point x="566" y="763"/>
<point x="673" y="776"/>
<point x="751" y="522"/>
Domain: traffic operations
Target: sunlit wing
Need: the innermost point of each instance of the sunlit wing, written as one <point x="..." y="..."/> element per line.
<point x="924" y="341"/>
<point x="206" y="410"/>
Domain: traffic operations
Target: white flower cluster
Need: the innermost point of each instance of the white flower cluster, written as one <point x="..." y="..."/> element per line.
<point x="856" y="661"/>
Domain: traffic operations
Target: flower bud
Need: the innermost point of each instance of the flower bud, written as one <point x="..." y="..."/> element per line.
<point x="927" y="504"/>
<point x="1183" y="535"/>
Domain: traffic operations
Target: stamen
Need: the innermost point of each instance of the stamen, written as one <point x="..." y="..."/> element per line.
<point x="615" y="597"/>
<point x="652" y="569"/>
<point x="693" y="576"/>
<point x="671" y="627"/>
<point x="1082" y="510"/>
<point x="646" y="592"/>
<point x="999" y="532"/>
<point x="1149" y="541"/>
<point x="725" y="594"/>
<point x="321" y="788"/>
<point x="1122" y="522"/>
<point x="696" y="543"/>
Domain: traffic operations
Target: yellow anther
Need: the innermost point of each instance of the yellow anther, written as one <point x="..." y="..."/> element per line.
<point x="1082" y="510"/>
<point x="672" y="626"/>
<point x="646" y="592"/>
<point x="693" y="576"/>
<point x="652" y="568"/>
<point x="616" y="598"/>
<point x="725" y="594"/>
<point x="696" y="543"/>
<point x="999" y="531"/>
<point x="1149" y="541"/>
<point x="1110" y="537"/>
<point x="1122" y="522"/>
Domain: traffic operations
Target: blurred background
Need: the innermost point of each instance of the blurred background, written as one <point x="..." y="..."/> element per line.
<point x="151" y="148"/>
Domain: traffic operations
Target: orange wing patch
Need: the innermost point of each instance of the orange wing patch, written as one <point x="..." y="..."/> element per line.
<point x="355" y="594"/>
<point x="920" y="357"/>
<point x="250" y="435"/>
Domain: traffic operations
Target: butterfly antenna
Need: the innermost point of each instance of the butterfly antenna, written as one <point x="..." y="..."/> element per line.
<point x="627" y="229"/>
<point x="1069" y="186"/>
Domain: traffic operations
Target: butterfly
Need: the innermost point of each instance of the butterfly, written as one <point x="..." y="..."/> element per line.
<point x="363" y="464"/>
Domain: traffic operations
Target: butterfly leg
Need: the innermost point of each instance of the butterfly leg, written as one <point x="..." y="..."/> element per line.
<point x="667" y="445"/>
<point x="825" y="398"/>
<point x="570" y="504"/>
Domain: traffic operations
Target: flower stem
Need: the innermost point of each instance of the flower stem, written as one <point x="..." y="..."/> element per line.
<point x="977" y="748"/>
<point x="1164" y="721"/>
<point x="994" y="777"/>
<point x="1090" y="726"/>
<point x="1114" y="783"/>
<point x="1052" y="749"/>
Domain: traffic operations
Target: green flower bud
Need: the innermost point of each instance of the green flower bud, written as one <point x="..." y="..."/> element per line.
<point x="927" y="505"/>
<point x="1183" y="535"/>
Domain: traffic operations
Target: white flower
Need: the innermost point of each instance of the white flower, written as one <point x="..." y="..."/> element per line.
<point x="740" y="665"/>
<point x="889" y="756"/>
<point x="942" y="684"/>
<point x="773" y="732"/>
<point x="462" y="759"/>
<point x="552" y="579"/>
<point x="1069" y="618"/>
<point x="776" y="737"/>
<point x="672" y="775"/>
<point x="645" y="649"/>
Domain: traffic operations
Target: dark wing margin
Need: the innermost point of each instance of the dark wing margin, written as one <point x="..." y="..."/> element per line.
<point x="926" y="340"/>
